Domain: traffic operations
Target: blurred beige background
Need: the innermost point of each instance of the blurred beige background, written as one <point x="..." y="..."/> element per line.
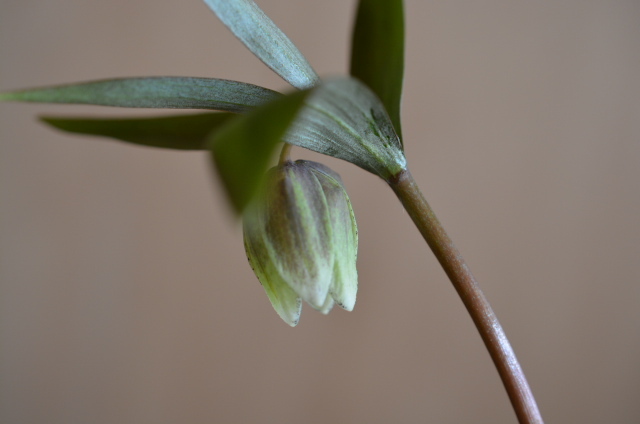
<point x="125" y="296"/>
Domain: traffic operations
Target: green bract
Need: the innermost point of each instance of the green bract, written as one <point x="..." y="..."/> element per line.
<point x="343" y="118"/>
<point x="301" y="239"/>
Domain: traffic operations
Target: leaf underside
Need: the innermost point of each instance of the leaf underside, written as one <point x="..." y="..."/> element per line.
<point x="153" y="92"/>
<point x="265" y="40"/>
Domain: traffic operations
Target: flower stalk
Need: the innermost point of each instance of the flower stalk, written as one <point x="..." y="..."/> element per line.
<point x="494" y="337"/>
<point x="285" y="154"/>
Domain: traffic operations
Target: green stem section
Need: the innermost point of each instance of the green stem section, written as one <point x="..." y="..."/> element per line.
<point x="465" y="284"/>
<point x="285" y="154"/>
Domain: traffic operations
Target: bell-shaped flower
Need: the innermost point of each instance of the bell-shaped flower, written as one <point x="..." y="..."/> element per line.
<point x="301" y="239"/>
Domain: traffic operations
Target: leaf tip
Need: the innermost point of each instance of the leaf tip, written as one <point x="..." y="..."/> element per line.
<point x="51" y="121"/>
<point x="7" y="96"/>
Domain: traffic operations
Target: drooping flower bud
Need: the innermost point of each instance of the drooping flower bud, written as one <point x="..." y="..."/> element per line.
<point x="301" y="239"/>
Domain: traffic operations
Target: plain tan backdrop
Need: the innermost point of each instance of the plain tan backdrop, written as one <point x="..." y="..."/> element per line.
<point x="125" y="296"/>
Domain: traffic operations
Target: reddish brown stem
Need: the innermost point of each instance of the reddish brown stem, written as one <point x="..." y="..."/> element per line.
<point x="465" y="284"/>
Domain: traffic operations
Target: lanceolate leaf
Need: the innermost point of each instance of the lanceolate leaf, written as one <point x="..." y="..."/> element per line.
<point x="377" y="56"/>
<point x="188" y="132"/>
<point x="249" y="23"/>
<point x="243" y="149"/>
<point x="153" y="92"/>
<point x="343" y="118"/>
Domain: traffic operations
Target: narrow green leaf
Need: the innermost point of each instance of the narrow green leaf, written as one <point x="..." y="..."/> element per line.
<point x="377" y="55"/>
<point x="265" y="40"/>
<point x="243" y="149"/>
<point x="187" y="132"/>
<point x="343" y="118"/>
<point x="153" y="92"/>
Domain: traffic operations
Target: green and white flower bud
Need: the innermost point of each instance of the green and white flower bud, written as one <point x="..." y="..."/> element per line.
<point x="301" y="239"/>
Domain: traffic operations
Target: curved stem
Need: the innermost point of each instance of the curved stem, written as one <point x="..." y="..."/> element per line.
<point x="465" y="284"/>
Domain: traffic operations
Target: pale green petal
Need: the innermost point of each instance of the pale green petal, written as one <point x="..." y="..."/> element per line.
<point x="328" y="305"/>
<point x="284" y="300"/>
<point x="298" y="233"/>
<point x="345" y="283"/>
<point x="345" y="239"/>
